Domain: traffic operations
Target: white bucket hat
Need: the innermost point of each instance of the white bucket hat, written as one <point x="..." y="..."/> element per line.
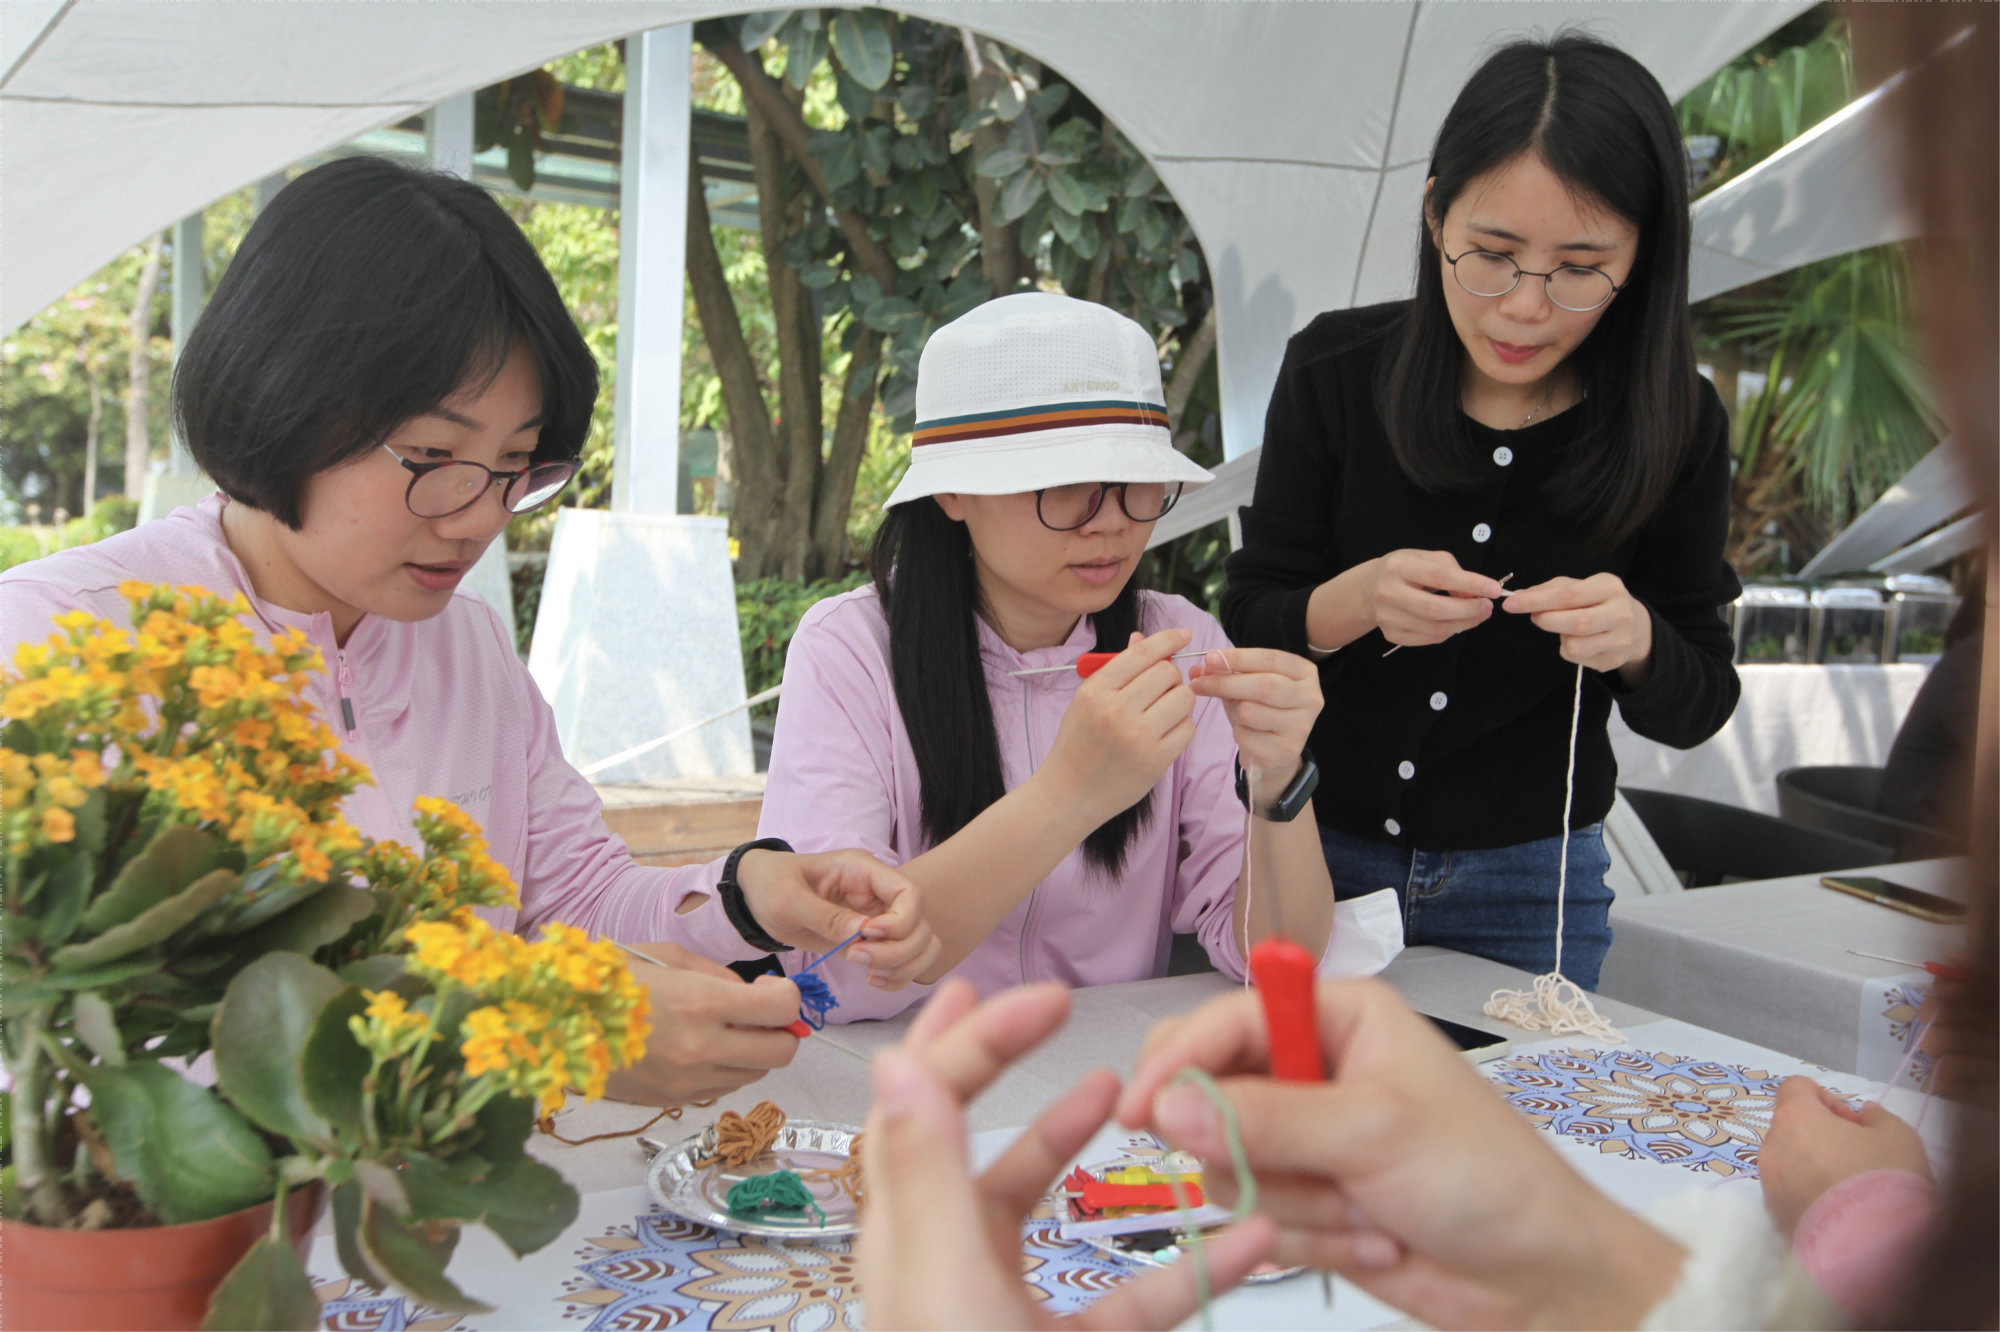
<point x="1037" y="390"/>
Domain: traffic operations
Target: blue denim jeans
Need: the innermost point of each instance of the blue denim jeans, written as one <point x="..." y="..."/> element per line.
<point x="1498" y="903"/>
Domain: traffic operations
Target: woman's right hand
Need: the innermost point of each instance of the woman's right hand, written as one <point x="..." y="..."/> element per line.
<point x="1419" y="597"/>
<point x="1125" y="727"/>
<point x="1406" y="1173"/>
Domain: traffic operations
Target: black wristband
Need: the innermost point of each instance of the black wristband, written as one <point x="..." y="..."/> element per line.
<point x="1303" y="784"/>
<point x="738" y="910"/>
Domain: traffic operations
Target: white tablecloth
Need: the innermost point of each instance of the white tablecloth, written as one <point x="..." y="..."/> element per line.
<point x="1790" y="716"/>
<point x="1767" y="961"/>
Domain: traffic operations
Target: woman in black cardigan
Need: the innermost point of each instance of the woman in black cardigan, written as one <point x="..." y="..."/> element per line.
<point x="1532" y="418"/>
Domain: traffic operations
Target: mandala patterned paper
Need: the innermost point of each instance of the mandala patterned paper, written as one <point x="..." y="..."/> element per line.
<point x="1664" y="1108"/>
<point x="661" y="1272"/>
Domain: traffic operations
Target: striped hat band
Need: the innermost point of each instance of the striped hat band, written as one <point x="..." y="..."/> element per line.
<point x="1027" y="420"/>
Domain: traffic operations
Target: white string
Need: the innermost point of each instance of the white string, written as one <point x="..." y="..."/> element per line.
<point x="1249" y="828"/>
<point x="1554" y="1001"/>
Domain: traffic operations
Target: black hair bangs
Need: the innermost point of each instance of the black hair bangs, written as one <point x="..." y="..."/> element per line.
<point x="367" y="294"/>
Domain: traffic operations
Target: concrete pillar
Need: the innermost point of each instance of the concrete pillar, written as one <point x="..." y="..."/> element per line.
<point x="652" y="261"/>
<point x="448" y="141"/>
<point x="190" y="276"/>
<point x="182" y="482"/>
<point x="637" y="631"/>
<point x="448" y="135"/>
<point x="267" y="190"/>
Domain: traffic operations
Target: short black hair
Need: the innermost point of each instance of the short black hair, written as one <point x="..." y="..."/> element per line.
<point x="1602" y="123"/>
<point x="366" y="294"/>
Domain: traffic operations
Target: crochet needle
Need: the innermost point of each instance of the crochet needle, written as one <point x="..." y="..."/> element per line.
<point x="1503" y="582"/>
<point x="1090" y="663"/>
<point x="797" y="1026"/>
<point x="1942" y="970"/>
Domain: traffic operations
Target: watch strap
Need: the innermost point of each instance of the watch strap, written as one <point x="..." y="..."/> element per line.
<point x="736" y="908"/>
<point x="1296" y="793"/>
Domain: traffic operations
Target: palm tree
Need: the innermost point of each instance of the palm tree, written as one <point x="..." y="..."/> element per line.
<point x="1845" y="407"/>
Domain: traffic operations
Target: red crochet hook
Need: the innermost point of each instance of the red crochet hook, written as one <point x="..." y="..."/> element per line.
<point x="1090" y="663"/>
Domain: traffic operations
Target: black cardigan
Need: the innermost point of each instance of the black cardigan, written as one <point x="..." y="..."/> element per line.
<point x="1482" y="718"/>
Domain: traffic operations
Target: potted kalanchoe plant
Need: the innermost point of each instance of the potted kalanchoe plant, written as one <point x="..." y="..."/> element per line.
<point x="180" y="882"/>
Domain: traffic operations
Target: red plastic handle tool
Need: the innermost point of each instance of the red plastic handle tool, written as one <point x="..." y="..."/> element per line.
<point x="798" y="1028"/>
<point x="1098" y="1195"/>
<point x="1090" y="663"/>
<point x="1284" y="975"/>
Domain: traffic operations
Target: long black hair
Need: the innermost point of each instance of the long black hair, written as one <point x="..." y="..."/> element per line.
<point x="1604" y="127"/>
<point x="929" y="586"/>
<point x="367" y="294"/>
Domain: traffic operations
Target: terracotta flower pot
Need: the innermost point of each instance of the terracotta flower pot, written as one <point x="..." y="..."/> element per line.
<point x="154" y="1277"/>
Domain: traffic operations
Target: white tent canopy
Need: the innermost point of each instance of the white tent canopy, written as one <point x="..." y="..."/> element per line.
<point x="1293" y="135"/>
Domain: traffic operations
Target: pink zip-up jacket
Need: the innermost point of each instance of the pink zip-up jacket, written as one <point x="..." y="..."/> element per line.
<point x="843" y="775"/>
<point x="440" y="707"/>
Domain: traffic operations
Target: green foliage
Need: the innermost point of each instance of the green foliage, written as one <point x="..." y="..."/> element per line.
<point x="1847" y="406"/>
<point x="191" y="1155"/>
<point x="1771" y="94"/>
<point x="767" y="614"/>
<point x="1090" y="214"/>
<point x="111" y="515"/>
<point x="269" y="1288"/>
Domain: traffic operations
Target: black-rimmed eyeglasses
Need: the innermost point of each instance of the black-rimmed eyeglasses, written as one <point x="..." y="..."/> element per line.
<point x="1571" y="287"/>
<point x="441" y="489"/>
<point x="1066" y="508"/>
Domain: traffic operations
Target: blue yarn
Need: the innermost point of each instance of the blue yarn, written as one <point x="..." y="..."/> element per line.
<point x="815" y="996"/>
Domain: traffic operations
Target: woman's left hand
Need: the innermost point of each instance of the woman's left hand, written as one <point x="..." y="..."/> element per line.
<point x="1272" y="699"/>
<point x="1602" y="625"/>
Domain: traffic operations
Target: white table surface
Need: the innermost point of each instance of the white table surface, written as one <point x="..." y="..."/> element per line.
<point x="829" y="1079"/>
<point x="1767" y="961"/>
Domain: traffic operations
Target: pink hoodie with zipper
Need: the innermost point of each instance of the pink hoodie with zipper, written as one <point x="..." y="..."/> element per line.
<point x="437" y="707"/>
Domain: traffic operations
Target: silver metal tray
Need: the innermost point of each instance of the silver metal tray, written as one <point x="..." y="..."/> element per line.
<point x="697" y="1194"/>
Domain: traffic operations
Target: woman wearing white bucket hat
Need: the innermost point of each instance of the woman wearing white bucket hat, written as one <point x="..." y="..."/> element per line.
<point x="1060" y="827"/>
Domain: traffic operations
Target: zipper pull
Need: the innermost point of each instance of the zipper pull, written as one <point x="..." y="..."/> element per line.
<point x="342" y="680"/>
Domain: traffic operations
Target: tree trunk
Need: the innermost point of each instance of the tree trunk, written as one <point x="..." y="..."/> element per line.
<point x="1000" y="256"/>
<point x="753" y="448"/>
<point x="843" y="461"/>
<point x="786" y="120"/>
<point x="800" y="413"/>
<point x="138" y="391"/>
<point x="1193" y="359"/>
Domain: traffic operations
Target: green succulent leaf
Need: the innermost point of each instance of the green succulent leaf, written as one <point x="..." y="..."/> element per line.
<point x="268" y="1288"/>
<point x="150" y="926"/>
<point x="334" y="1064"/>
<point x="190" y="1156"/>
<point x="410" y="1260"/>
<point x="259" y="1035"/>
<point x="97" y="1024"/>
<point x="323" y="918"/>
<point x="347" y="1233"/>
<point x="525" y="1203"/>
<point x="176" y="857"/>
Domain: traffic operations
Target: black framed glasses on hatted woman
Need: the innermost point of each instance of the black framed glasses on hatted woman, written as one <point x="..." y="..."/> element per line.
<point x="1066" y="508"/>
<point x="441" y="489"/>
<point x="1571" y="287"/>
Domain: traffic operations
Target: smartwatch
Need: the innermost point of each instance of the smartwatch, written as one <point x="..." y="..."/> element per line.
<point x="738" y="910"/>
<point x="1295" y="795"/>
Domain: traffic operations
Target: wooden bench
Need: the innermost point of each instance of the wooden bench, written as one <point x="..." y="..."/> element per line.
<point x="685" y="820"/>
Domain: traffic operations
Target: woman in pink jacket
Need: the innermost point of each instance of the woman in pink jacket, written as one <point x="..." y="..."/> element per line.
<point x="1060" y="828"/>
<point x="385" y="376"/>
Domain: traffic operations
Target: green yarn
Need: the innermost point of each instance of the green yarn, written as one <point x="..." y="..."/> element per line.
<point x="1246" y="1183"/>
<point x="780" y="1194"/>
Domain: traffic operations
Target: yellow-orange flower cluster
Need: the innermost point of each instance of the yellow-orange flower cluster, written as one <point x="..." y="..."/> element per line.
<point x="458" y="869"/>
<point x="390" y="1028"/>
<point x="562" y="1012"/>
<point x="186" y="705"/>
